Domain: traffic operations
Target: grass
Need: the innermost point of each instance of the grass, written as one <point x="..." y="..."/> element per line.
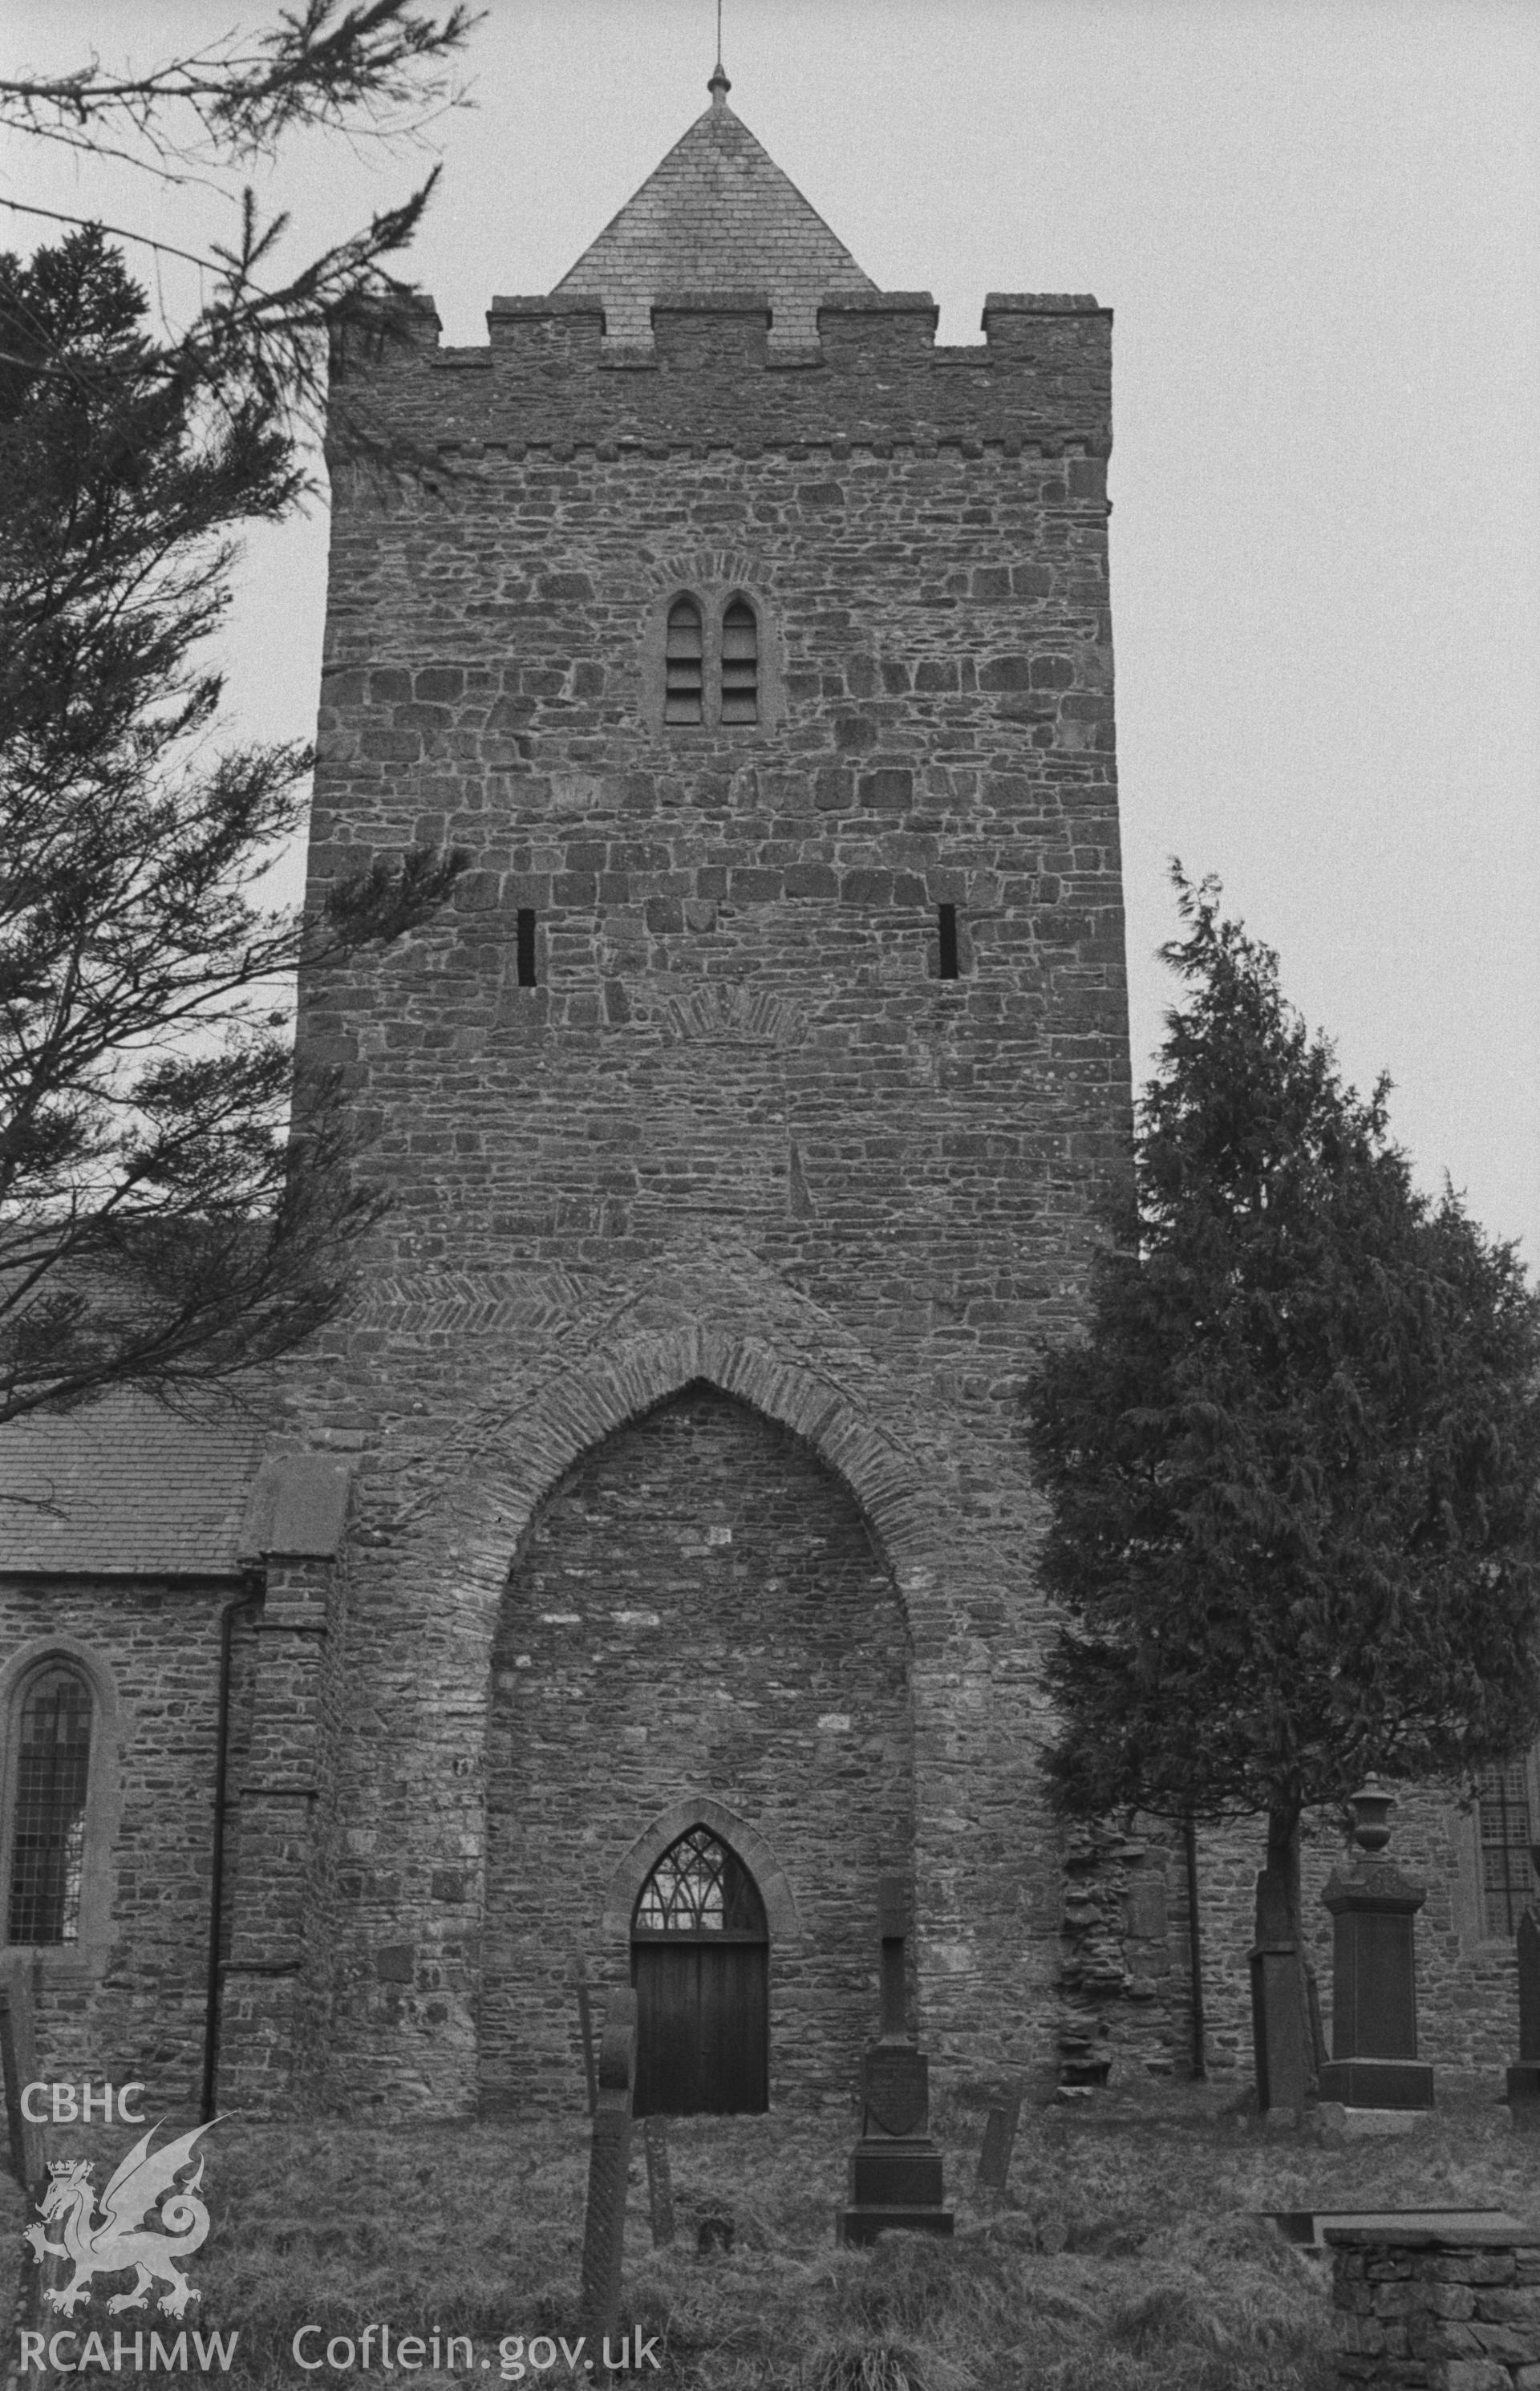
<point x="1124" y="2256"/>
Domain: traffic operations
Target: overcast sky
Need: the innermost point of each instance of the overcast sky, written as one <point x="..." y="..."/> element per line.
<point x="1318" y="223"/>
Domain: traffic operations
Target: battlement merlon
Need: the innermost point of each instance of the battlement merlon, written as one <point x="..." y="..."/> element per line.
<point x="713" y="370"/>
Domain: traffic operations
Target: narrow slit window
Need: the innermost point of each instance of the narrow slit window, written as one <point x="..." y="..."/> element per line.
<point x="527" y="946"/>
<point x="684" y="662"/>
<point x="740" y="663"/>
<point x="48" y="1833"/>
<point x="946" y="924"/>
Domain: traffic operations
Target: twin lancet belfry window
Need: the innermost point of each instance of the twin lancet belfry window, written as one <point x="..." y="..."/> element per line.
<point x="685" y="664"/>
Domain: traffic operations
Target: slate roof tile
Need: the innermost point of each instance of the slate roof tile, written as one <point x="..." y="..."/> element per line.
<point x="717" y="215"/>
<point x="124" y="1487"/>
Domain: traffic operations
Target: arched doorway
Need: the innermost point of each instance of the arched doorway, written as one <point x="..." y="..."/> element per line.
<point x="700" y="1962"/>
<point x="697" y="1629"/>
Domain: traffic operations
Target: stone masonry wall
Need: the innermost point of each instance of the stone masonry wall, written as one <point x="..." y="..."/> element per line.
<point x="1466" y="1987"/>
<point x="134" y="2008"/>
<point x="1467" y="2006"/>
<point x="697" y="1611"/>
<point x="276" y="1976"/>
<point x="1450" y="2311"/>
<point x="740" y="1131"/>
<point x="1127" y="2008"/>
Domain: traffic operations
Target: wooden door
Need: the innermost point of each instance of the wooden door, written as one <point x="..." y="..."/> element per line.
<point x="700" y="1962"/>
<point x="703" y="2028"/>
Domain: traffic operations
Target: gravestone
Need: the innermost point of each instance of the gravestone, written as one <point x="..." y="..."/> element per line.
<point x="1307" y="2227"/>
<point x="994" y="2159"/>
<point x="24" y="2152"/>
<point x="1280" y="2019"/>
<point x="893" y="1938"/>
<point x="1529" y="1986"/>
<point x="1523" y="2081"/>
<point x="584" y="2027"/>
<point x="19" y="2066"/>
<point x="1373" y="2037"/>
<point x="660" y="2187"/>
<point x="895" y="2168"/>
<point x="609" y="2166"/>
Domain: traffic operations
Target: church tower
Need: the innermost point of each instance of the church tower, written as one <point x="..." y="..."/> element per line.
<point x="746" y="1115"/>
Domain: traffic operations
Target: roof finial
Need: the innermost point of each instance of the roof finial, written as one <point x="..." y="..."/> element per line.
<point x="718" y="86"/>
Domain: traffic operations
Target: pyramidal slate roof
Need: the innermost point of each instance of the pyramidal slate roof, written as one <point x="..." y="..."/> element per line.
<point x="123" y="1486"/>
<point x="718" y="214"/>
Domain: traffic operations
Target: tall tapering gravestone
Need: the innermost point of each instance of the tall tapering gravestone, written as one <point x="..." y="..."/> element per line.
<point x="660" y="2181"/>
<point x="609" y="2169"/>
<point x="895" y="2168"/>
<point x="1374" y="2019"/>
<point x="24" y="2151"/>
<point x="994" y="2159"/>
<point x="1280" y="2018"/>
<point x="1523" y="2081"/>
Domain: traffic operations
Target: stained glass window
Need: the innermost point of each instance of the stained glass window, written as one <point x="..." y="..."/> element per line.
<point x="48" y="1833"/>
<point x="1507" y="1877"/>
<point x="700" y="1887"/>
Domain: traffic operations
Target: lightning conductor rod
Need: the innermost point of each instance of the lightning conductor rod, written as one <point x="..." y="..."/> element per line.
<point x="718" y="86"/>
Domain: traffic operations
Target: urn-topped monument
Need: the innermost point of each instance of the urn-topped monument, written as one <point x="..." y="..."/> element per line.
<point x="1374" y="2031"/>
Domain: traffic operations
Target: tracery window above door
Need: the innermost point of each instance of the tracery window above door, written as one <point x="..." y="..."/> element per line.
<point x="700" y="1887"/>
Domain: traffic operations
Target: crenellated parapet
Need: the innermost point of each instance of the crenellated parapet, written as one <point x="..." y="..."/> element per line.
<point x="713" y="373"/>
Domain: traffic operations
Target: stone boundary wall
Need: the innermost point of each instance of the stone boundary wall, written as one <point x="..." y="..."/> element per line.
<point x="1455" y="2310"/>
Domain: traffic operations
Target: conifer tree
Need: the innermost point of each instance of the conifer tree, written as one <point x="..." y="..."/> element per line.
<point x="1293" y="1464"/>
<point x="361" y="69"/>
<point x="156" y="1226"/>
<point x="175" y="1205"/>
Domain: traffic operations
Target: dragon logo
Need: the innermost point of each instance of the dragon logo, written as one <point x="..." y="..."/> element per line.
<point x="110" y="2244"/>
